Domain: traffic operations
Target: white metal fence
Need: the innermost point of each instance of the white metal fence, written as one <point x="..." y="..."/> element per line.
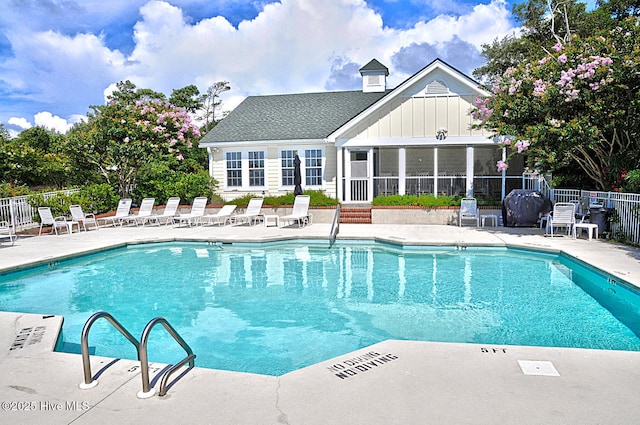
<point x="623" y="209"/>
<point x="19" y="213"/>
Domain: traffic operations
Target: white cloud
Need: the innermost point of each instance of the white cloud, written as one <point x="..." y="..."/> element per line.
<point x="52" y="122"/>
<point x="291" y="46"/>
<point x="19" y="122"/>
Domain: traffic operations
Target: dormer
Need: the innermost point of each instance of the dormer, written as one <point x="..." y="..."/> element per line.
<point x="374" y="77"/>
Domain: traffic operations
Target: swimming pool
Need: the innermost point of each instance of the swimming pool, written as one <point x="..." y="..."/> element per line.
<point x="276" y="307"/>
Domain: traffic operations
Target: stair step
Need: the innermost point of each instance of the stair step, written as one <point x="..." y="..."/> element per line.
<point x="355" y="215"/>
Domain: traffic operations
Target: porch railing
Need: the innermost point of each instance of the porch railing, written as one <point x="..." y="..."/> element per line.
<point x="19" y="213"/>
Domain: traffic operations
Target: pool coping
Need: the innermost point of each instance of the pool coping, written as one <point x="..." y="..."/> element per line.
<point x="458" y="383"/>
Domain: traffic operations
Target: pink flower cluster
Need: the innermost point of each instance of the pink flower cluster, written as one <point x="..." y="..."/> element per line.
<point x="584" y="71"/>
<point x="539" y="88"/>
<point x="522" y="145"/>
<point x="481" y="112"/>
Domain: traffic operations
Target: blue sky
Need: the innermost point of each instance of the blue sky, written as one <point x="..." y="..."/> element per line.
<point x="57" y="57"/>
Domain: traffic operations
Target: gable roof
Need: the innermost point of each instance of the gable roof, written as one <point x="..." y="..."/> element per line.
<point x="290" y="116"/>
<point x="404" y="86"/>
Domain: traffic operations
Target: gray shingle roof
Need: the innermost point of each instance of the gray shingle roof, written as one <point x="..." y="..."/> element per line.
<point x="290" y="116"/>
<point x="374" y="65"/>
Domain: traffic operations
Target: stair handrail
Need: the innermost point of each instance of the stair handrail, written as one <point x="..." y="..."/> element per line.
<point x="89" y="382"/>
<point x="147" y="391"/>
<point x="335" y="226"/>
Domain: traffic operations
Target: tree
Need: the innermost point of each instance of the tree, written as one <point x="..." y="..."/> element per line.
<point x="543" y="23"/>
<point x="134" y="128"/>
<point x="578" y="105"/>
<point x="188" y="98"/>
<point x="212" y="104"/>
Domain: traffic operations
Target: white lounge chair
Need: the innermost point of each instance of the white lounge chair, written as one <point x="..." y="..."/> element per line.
<point x="122" y="212"/>
<point x="83" y="219"/>
<point x="300" y="211"/>
<point x="60" y="222"/>
<point x="5" y="232"/>
<point x="144" y="212"/>
<point x="563" y="215"/>
<point x="168" y="215"/>
<point x="469" y="211"/>
<point x="197" y="211"/>
<point x="221" y="217"/>
<point x="252" y="212"/>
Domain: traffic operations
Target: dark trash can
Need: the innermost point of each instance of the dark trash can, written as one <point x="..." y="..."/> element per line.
<point x="600" y="216"/>
<point x="523" y="208"/>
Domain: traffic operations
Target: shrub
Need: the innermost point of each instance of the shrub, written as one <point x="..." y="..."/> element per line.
<point x="96" y="198"/>
<point x="9" y="190"/>
<point x="412" y="200"/>
<point x="317" y="198"/>
<point x="157" y="180"/>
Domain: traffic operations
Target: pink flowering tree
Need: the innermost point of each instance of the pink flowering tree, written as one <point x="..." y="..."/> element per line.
<point x="578" y="106"/>
<point x="122" y="136"/>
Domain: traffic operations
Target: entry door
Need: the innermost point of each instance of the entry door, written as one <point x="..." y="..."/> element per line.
<point x="360" y="176"/>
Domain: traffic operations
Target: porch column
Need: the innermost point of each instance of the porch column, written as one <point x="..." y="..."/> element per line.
<point x="435" y="171"/>
<point x="470" y="171"/>
<point x="504" y="174"/>
<point x="402" y="170"/>
<point x="370" y="180"/>
<point x="210" y="155"/>
<point x="339" y="174"/>
<point x="347" y="175"/>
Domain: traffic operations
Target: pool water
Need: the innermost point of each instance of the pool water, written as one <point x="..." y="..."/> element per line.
<point x="273" y="308"/>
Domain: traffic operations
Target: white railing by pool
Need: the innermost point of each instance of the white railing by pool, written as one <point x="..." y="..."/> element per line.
<point x="19" y="213"/>
<point x="625" y="208"/>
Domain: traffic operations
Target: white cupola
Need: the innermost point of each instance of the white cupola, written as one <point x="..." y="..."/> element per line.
<point x="374" y="77"/>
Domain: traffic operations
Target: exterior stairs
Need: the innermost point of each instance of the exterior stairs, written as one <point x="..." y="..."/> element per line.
<point x="352" y="215"/>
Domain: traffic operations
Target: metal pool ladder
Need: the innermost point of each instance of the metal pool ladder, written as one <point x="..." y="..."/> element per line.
<point x="141" y="349"/>
<point x="335" y="226"/>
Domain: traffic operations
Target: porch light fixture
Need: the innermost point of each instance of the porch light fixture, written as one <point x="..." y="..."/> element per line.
<point x="441" y="134"/>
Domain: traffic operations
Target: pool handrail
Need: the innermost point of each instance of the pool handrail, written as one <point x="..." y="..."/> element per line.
<point x="89" y="382"/>
<point x="335" y="226"/>
<point x="147" y="391"/>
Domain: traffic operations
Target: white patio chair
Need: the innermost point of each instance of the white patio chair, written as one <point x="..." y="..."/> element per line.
<point x="221" y="217"/>
<point x="252" y="212"/>
<point x="144" y="212"/>
<point x="6" y="233"/>
<point x="563" y="215"/>
<point x="122" y="212"/>
<point x="197" y="211"/>
<point x="83" y="219"/>
<point x="300" y="211"/>
<point x="60" y="222"/>
<point x="469" y="211"/>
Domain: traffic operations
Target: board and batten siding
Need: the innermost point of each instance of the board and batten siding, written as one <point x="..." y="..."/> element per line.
<point x="413" y="117"/>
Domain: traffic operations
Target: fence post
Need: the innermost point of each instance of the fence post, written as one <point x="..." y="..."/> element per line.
<point x="12" y="214"/>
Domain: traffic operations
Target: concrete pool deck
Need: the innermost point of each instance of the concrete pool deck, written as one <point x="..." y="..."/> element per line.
<point x="392" y="382"/>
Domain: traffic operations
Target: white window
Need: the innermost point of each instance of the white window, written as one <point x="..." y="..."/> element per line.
<point x="234" y="169"/>
<point x="245" y="169"/>
<point x="286" y="167"/>
<point x="313" y="167"/>
<point x="256" y="168"/>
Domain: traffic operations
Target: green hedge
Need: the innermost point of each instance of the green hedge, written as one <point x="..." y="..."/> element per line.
<point x="317" y="198"/>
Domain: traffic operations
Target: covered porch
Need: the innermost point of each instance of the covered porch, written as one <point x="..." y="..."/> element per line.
<point x="453" y="170"/>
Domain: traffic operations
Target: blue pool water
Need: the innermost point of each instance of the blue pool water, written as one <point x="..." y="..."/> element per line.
<point x="273" y="308"/>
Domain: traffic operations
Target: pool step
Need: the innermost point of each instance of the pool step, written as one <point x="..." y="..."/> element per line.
<point x="352" y="215"/>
